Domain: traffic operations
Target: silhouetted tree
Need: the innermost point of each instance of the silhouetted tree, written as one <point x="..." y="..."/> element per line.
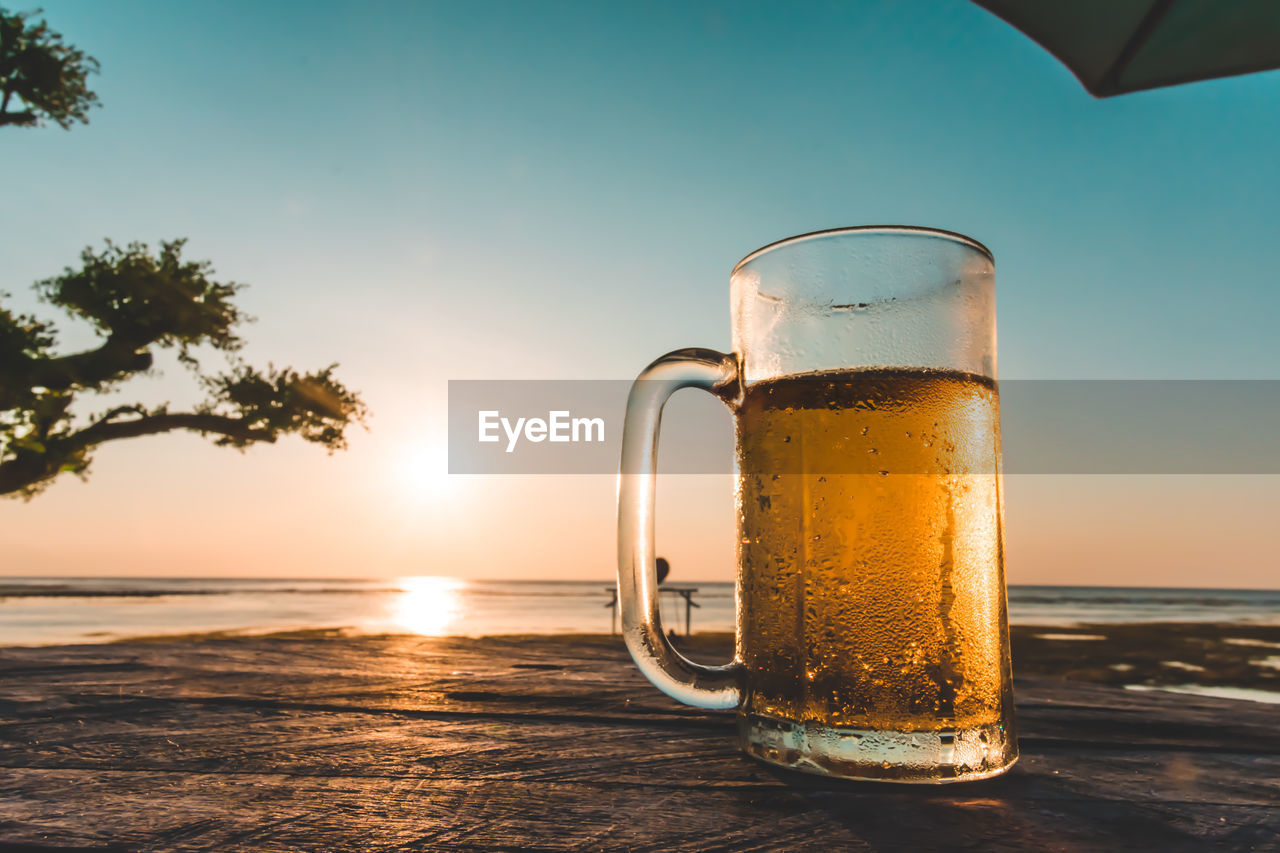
<point x="138" y="302"/>
<point x="40" y="77"/>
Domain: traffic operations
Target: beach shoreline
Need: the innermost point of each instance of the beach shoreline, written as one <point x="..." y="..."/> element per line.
<point x="57" y="611"/>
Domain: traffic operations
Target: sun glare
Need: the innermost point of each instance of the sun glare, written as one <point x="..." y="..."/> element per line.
<point x="425" y="472"/>
<point x="427" y="605"/>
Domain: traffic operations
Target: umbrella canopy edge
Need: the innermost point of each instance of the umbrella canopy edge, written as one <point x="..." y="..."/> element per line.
<point x="1108" y="83"/>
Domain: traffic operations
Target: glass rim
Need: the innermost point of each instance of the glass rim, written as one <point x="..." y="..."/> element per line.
<point x="925" y="231"/>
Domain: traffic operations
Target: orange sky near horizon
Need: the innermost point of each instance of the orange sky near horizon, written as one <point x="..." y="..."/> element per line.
<point x="177" y="506"/>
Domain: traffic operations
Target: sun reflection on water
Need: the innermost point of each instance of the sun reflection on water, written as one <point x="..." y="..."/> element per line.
<point x="427" y="605"/>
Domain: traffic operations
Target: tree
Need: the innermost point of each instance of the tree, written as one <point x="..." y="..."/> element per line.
<point x="140" y="302"/>
<point x="47" y="78"/>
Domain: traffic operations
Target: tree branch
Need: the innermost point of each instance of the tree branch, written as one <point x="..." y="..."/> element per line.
<point x="89" y="368"/>
<point x="233" y="428"/>
<point x="24" y="470"/>
<point x="24" y="118"/>
<point x="121" y="410"/>
<point x="30" y="468"/>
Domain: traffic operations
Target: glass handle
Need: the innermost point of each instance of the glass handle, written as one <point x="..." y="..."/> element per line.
<point x="670" y="671"/>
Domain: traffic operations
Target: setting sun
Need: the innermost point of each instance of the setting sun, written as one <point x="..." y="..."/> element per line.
<point x="427" y="605"/>
<point x="424" y="472"/>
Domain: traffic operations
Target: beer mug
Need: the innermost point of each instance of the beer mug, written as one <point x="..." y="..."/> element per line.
<point x="872" y="627"/>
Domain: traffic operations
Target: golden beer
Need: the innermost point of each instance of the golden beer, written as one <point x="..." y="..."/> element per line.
<point x="872" y="591"/>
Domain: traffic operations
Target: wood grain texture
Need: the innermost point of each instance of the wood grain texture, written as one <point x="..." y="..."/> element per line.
<point x="325" y="743"/>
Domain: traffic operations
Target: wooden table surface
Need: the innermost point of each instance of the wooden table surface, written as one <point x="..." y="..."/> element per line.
<point x="394" y="743"/>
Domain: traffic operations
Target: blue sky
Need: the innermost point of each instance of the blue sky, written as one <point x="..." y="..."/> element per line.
<point x="427" y="191"/>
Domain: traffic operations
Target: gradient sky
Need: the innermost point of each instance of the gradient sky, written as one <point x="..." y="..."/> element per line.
<point x="435" y="191"/>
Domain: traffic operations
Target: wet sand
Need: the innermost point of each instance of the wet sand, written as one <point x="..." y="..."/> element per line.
<point x="1229" y="659"/>
<point x="1147" y="654"/>
<point x="1153" y="654"/>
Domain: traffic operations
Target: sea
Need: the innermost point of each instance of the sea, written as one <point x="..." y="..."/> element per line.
<point x="51" y="611"/>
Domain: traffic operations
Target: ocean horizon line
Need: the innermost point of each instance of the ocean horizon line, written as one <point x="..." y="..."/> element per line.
<point x="49" y="608"/>
<point x="513" y="580"/>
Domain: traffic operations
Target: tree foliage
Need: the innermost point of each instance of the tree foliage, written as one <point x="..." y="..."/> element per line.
<point x="141" y="302"/>
<point x="40" y="77"/>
